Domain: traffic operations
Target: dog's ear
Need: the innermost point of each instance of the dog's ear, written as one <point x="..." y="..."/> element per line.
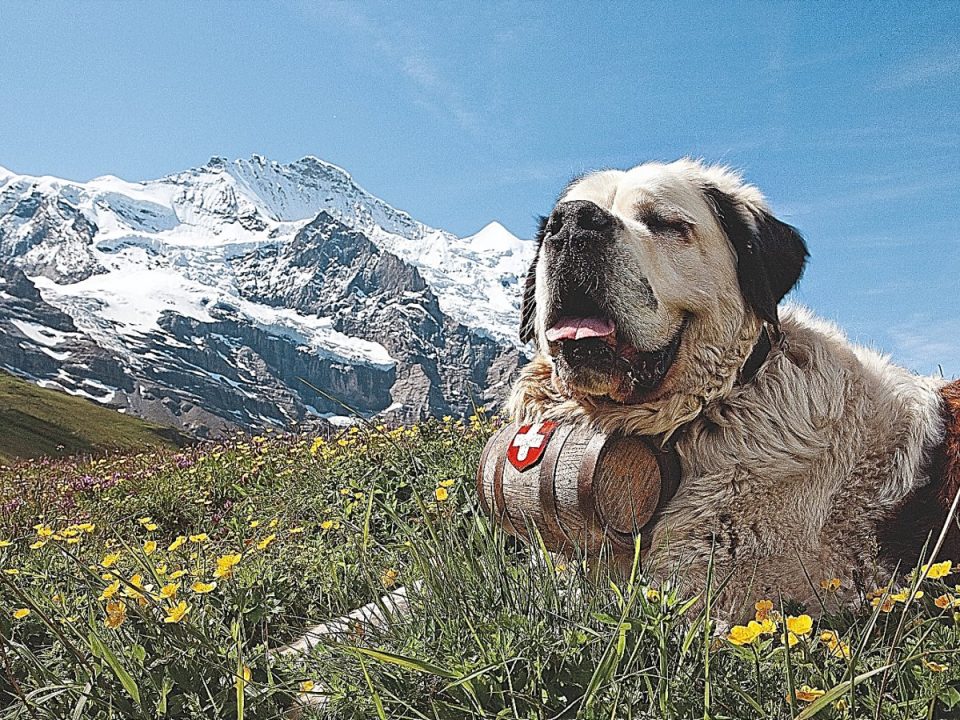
<point x="771" y="255"/>
<point x="528" y="305"/>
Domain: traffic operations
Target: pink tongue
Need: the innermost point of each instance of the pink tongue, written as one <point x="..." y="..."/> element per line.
<point x="579" y="328"/>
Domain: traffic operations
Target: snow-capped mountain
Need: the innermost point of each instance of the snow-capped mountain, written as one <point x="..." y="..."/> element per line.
<point x="251" y="292"/>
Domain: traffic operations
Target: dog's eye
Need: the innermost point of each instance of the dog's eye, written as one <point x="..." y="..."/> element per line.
<point x="660" y="223"/>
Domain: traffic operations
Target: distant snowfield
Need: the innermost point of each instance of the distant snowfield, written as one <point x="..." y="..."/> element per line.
<point x="165" y="244"/>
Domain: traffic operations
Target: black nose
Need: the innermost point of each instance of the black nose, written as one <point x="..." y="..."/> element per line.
<point x="579" y="218"/>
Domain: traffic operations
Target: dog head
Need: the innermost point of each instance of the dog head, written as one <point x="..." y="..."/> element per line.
<point x="647" y="281"/>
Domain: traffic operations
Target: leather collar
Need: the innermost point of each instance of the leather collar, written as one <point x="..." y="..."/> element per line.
<point x="757" y="357"/>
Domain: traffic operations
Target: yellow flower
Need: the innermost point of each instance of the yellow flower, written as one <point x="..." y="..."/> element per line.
<point x="934" y="666"/>
<point x="441" y="494"/>
<point x="805" y="693"/>
<point x="169" y="591"/>
<point x="116" y="614"/>
<point x="86" y="527"/>
<point x="744" y="634"/>
<point x="800" y="625"/>
<point x="835" y="646"/>
<point x="150" y="527"/>
<point x="5" y="543"/>
<point x="201" y="587"/>
<point x="945" y="601"/>
<point x="831" y="585"/>
<point x="902" y="595"/>
<point x="11" y="571"/>
<point x="306" y="686"/>
<point x="225" y="565"/>
<point x="263" y="544"/>
<point x="110" y="590"/>
<point x="295" y="531"/>
<point x="937" y="570"/>
<point x="447" y="483"/>
<point x="254" y="523"/>
<point x="653" y="595"/>
<point x="176" y="574"/>
<point x="134" y="592"/>
<point x="763" y="608"/>
<point x="389" y="578"/>
<point x="149" y="547"/>
<point x="43" y="530"/>
<point x="175" y="545"/>
<point x="317" y="444"/>
<point x="273" y="523"/>
<point x="326" y="524"/>
<point x="199" y="538"/>
<point x="176" y="613"/>
<point x="886" y="604"/>
<point x="21" y="613"/>
<point x="38" y="544"/>
<point x="110" y="559"/>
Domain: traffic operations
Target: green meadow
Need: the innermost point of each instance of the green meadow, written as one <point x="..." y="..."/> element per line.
<point x="156" y="584"/>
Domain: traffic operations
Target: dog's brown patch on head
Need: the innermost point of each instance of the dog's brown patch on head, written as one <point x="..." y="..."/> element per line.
<point x="920" y="518"/>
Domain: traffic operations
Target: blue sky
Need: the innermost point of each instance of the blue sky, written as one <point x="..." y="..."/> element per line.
<point x="846" y="115"/>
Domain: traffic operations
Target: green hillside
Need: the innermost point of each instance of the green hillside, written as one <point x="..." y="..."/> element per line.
<point x="35" y="422"/>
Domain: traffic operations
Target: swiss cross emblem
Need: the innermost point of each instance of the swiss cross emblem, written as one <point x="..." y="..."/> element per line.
<point x="528" y="444"/>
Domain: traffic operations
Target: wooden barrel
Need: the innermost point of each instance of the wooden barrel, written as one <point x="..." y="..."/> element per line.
<point x="578" y="487"/>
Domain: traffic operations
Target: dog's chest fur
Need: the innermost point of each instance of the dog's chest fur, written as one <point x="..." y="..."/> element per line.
<point x="801" y="465"/>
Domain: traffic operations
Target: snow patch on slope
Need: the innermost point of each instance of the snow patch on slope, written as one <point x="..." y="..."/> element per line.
<point x="113" y="305"/>
<point x="40" y="334"/>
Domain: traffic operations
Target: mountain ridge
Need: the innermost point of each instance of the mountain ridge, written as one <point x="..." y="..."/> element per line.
<point x="299" y="270"/>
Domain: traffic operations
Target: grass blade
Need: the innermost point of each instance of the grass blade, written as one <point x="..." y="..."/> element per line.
<point x="100" y="649"/>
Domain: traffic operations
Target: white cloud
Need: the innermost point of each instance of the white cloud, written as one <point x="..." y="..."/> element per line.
<point x="923" y="71"/>
<point x="403" y="51"/>
<point x="927" y="345"/>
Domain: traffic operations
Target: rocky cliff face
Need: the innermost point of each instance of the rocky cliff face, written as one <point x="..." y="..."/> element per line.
<point x="250" y="293"/>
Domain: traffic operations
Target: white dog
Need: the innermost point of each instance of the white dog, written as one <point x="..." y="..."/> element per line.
<point x="652" y="303"/>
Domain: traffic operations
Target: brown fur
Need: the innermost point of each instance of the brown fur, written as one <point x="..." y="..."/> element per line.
<point x="919" y="519"/>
